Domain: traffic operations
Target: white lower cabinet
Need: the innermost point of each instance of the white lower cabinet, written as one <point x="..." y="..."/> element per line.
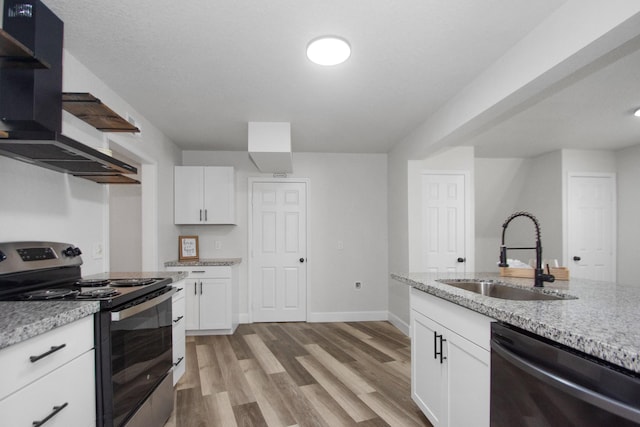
<point x="450" y="362"/>
<point x="50" y="379"/>
<point x="178" y="330"/>
<point x="209" y="300"/>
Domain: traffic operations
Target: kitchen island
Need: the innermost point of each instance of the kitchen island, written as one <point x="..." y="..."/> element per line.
<point x="600" y="322"/>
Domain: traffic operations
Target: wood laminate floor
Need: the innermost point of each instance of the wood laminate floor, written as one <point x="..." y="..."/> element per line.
<point x="298" y="374"/>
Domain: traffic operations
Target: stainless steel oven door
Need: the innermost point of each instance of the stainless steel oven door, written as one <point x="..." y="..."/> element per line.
<point x="138" y="356"/>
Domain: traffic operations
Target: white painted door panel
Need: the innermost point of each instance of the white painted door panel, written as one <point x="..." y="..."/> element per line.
<point x="279" y="221"/>
<point x="592" y="227"/>
<point x="443" y="223"/>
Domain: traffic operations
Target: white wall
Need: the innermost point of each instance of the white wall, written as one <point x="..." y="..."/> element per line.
<point x="125" y="232"/>
<point x="347" y="203"/>
<point x="499" y="184"/>
<point x="628" y="161"/>
<point x="38" y="204"/>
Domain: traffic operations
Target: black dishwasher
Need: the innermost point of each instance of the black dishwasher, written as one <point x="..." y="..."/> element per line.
<point x="537" y="382"/>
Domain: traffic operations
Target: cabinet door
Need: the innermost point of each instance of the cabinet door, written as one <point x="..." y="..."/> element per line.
<point x="192" y="301"/>
<point x="469" y="378"/>
<point x="428" y="374"/>
<point x="215" y="304"/>
<point x="188" y="195"/>
<point x="219" y="195"/>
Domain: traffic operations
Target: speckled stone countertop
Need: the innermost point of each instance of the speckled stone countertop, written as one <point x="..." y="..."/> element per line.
<point x="603" y="321"/>
<point x="174" y="275"/>
<point x="214" y="262"/>
<point x="21" y="320"/>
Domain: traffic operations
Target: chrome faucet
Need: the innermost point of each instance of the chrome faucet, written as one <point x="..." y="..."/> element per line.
<point x="539" y="276"/>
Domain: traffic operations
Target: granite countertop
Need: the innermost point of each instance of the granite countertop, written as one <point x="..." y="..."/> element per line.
<point x="603" y="320"/>
<point x="21" y="320"/>
<point x="213" y="262"/>
<point x="174" y="275"/>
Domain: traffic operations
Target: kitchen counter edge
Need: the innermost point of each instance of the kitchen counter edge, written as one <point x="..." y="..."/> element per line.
<point x="610" y="341"/>
<point x="214" y="262"/>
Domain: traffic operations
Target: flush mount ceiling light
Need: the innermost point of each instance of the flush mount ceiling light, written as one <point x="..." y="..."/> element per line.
<point x="637" y="113"/>
<point x="328" y="50"/>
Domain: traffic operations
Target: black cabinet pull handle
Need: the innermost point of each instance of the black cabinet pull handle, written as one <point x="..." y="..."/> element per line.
<point x="442" y="356"/>
<point x="56" y="410"/>
<point x="195" y="288"/>
<point x="301" y="259"/>
<point x="43" y="355"/>
<point x="178" y="319"/>
<point x="576" y="258"/>
<point x="200" y="288"/>
<point x="180" y="359"/>
<point x="437" y="353"/>
<point x="200" y="214"/>
<point x="460" y="259"/>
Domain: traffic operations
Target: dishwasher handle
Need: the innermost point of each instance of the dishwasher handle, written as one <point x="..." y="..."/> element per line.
<point x="569" y="387"/>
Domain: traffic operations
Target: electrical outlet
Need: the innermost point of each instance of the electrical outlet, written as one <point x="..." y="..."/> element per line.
<point x="340" y="245"/>
<point x="217" y="244"/>
<point x="358" y="285"/>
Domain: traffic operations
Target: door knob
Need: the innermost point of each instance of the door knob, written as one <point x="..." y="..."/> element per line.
<point x="576" y="258"/>
<point x="461" y="259"/>
<point x="301" y="259"/>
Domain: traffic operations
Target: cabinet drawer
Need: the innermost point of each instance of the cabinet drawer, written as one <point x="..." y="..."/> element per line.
<point x="210" y="272"/>
<point x="469" y="324"/>
<point x="178" y="316"/>
<point x="16" y="368"/>
<point x="179" y="285"/>
<point x="72" y="384"/>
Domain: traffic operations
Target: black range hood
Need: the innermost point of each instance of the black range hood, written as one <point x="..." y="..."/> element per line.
<point x="31" y="102"/>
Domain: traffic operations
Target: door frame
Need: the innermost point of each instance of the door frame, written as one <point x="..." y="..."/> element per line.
<point x="415" y="218"/>
<point x="251" y="181"/>
<point x="614" y="216"/>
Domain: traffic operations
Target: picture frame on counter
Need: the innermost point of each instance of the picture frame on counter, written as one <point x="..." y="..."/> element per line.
<point x="188" y="248"/>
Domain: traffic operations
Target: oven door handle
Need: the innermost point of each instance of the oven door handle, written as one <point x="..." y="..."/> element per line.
<point x="578" y="391"/>
<point x="132" y="311"/>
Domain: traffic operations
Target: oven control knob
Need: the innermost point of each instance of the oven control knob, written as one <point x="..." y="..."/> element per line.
<point x="72" y="252"/>
<point x="2" y="256"/>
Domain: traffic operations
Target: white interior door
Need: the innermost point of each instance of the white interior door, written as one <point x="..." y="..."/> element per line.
<point x="592" y="226"/>
<point x="444" y="224"/>
<point x="278" y="251"/>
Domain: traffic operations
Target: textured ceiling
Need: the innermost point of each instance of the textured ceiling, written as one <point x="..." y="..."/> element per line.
<point x="200" y="70"/>
<point x="592" y="110"/>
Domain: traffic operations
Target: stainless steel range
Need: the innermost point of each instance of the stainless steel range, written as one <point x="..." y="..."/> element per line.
<point x="132" y="330"/>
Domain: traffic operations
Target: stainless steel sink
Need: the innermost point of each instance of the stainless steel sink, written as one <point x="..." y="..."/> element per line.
<point x="501" y="290"/>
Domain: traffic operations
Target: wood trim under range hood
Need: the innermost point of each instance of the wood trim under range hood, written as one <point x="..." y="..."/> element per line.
<point x="91" y="110"/>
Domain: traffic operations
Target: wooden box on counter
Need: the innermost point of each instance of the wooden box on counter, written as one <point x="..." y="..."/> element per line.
<point x="560" y="273"/>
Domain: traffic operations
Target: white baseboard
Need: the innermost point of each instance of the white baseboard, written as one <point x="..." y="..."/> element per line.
<point x="400" y="324"/>
<point x="244" y="318"/>
<point x="347" y="316"/>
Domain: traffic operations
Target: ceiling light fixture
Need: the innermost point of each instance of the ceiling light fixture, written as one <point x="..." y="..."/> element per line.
<point x="328" y="50"/>
<point x="637" y="113"/>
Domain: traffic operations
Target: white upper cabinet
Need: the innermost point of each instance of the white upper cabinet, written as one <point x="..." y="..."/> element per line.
<point x="204" y="195"/>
